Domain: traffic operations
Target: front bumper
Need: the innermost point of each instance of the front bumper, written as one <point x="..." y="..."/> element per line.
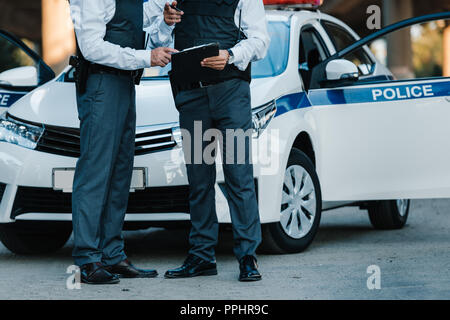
<point x="26" y="190"/>
<point x="29" y="193"/>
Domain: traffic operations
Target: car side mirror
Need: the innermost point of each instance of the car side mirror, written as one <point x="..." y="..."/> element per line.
<point x="335" y="73"/>
<point x="20" y="77"/>
<point x="341" y="69"/>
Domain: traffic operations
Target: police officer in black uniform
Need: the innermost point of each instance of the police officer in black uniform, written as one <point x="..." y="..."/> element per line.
<point x="111" y="53"/>
<point x="221" y="101"/>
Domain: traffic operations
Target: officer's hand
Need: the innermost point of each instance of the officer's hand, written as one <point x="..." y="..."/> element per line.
<point x="161" y="56"/>
<point x="217" y="63"/>
<point x="172" y="16"/>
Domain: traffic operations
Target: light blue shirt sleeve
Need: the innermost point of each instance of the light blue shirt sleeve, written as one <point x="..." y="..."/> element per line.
<point x="90" y="19"/>
<point x="160" y="34"/>
<point x="254" y="26"/>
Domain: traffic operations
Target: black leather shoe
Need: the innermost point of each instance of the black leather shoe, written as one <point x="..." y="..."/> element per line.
<point x="249" y="269"/>
<point x="95" y="273"/>
<point x="125" y="269"/>
<point x="193" y="267"/>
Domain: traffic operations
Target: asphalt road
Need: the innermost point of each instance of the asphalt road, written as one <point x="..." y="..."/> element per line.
<point x="414" y="264"/>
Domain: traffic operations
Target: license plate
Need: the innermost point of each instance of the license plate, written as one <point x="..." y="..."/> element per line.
<point x="63" y="179"/>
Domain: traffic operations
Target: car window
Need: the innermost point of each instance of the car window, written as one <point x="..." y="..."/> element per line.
<point x="12" y="56"/>
<point x="277" y="56"/>
<point x="341" y="39"/>
<point x="272" y="65"/>
<point x="18" y="70"/>
<point x="312" y="51"/>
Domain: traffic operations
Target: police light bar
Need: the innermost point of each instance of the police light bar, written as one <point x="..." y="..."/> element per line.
<point x="294" y="3"/>
<point x="306" y="3"/>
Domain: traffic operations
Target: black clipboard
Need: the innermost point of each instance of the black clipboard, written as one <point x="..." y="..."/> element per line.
<point x="186" y="66"/>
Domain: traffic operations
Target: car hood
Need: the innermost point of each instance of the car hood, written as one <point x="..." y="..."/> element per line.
<point x="55" y="103"/>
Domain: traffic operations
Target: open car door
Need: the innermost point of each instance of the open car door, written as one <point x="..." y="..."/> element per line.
<point x="21" y="70"/>
<point x="380" y="140"/>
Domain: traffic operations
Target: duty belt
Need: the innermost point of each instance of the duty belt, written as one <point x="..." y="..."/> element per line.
<point x="197" y="85"/>
<point x="98" y="68"/>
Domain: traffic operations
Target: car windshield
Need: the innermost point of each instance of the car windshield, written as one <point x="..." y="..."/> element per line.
<point x="272" y="65"/>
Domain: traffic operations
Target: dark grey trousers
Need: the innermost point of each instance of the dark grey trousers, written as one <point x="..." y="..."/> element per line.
<point x="223" y="106"/>
<point x="107" y="112"/>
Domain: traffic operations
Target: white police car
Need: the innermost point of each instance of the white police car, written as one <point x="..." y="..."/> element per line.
<point x="332" y="128"/>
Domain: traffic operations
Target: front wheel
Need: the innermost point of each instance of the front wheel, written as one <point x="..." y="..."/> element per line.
<point x="389" y="215"/>
<point x="34" y="237"/>
<point x="301" y="207"/>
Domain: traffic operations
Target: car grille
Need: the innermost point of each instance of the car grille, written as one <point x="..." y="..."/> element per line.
<point x="151" y="139"/>
<point x="61" y="141"/>
<point x="150" y="200"/>
<point x="66" y="141"/>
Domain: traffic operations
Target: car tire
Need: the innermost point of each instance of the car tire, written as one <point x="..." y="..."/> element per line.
<point x="389" y="215"/>
<point x="276" y="237"/>
<point x="35" y="237"/>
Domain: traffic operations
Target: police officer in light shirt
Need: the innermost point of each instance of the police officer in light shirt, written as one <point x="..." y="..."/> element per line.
<point x="111" y="44"/>
<point x="220" y="101"/>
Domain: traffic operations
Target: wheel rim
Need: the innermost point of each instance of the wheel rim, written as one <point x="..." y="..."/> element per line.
<point x="402" y="206"/>
<point x="298" y="203"/>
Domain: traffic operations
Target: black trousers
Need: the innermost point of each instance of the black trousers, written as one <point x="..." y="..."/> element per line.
<point x="227" y="108"/>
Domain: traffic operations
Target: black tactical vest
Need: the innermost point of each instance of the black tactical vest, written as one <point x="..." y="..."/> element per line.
<point x="126" y="27"/>
<point x="208" y="21"/>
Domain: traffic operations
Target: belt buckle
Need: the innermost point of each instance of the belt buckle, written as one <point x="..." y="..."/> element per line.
<point x="202" y="85"/>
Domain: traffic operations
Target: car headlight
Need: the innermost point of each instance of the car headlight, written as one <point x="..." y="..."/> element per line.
<point x="19" y="133"/>
<point x="262" y="117"/>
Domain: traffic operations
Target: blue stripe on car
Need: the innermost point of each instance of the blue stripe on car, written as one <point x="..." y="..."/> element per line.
<point x="7" y="98"/>
<point x="352" y="95"/>
<point x="379" y="94"/>
<point x="292" y="102"/>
